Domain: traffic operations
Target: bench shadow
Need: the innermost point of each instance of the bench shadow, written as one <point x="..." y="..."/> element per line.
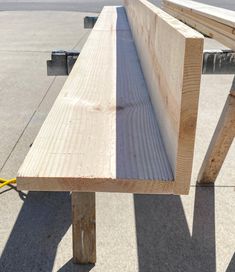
<point x="71" y="267"/>
<point x="41" y="224"/>
<point x="231" y="266"/>
<point x="163" y="237"/>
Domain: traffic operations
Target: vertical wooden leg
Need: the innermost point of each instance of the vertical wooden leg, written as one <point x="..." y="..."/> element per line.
<point x="220" y="143"/>
<point x="84" y="233"/>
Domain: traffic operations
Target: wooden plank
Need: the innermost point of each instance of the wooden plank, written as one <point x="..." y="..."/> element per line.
<point x="208" y="31"/>
<point x="171" y="57"/>
<point x="224" y="16"/>
<point x="209" y="27"/>
<point x="102" y="133"/>
<point x="220" y="143"/>
<point x="84" y="228"/>
<point x="221" y="28"/>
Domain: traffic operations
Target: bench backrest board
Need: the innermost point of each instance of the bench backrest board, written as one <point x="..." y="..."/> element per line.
<point x="171" y="59"/>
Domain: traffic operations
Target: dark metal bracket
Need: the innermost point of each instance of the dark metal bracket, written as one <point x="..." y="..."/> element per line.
<point x="61" y="62"/>
<point x="89" y="21"/>
<point x="218" y="62"/>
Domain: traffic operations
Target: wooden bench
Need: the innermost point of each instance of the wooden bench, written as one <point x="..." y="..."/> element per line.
<point x="125" y="119"/>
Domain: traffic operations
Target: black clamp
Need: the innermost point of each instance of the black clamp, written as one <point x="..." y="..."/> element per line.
<point x="61" y="62"/>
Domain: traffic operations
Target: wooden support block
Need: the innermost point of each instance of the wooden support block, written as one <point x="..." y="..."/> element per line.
<point x="84" y="228"/>
<point x="220" y="143"/>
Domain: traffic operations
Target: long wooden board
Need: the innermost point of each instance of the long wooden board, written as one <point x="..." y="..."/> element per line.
<point x="171" y="55"/>
<point x="221" y="15"/>
<point x="102" y="134"/>
<point x="209" y="20"/>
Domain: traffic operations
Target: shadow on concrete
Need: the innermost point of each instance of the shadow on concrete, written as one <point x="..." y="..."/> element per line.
<point x="10" y="187"/>
<point x="71" y="267"/>
<point x="231" y="267"/>
<point x="163" y="237"/>
<point x="42" y="222"/>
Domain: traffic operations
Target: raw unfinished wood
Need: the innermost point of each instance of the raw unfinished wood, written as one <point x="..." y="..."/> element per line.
<point x="171" y="56"/>
<point x="232" y="91"/>
<point x="102" y="134"/>
<point x="209" y="30"/>
<point x="215" y="25"/>
<point x="221" y="15"/>
<point x="220" y="143"/>
<point x="214" y="22"/>
<point x="84" y="228"/>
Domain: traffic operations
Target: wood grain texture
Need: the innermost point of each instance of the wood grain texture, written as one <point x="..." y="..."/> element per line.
<point x="101" y="134"/>
<point x="171" y="57"/>
<point x="224" y="16"/>
<point x="84" y="228"/>
<point x="214" y="27"/>
<point x="232" y="91"/>
<point x="220" y="143"/>
<point x="123" y="122"/>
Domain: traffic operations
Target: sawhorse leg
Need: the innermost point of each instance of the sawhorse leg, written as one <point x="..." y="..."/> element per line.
<point x="84" y="228"/>
<point x="220" y="143"/>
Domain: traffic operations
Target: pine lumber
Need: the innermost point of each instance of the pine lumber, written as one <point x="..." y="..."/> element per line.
<point x="213" y="22"/>
<point x="84" y="228"/>
<point x="221" y="15"/>
<point x="171" y="57"/>
<point x="220" y="143"/>
<point x="125" y="119"/>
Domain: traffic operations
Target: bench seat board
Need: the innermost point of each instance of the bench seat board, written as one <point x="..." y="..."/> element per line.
<point x="101" y="133"/>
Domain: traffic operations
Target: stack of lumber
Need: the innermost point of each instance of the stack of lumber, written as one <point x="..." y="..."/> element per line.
<point x="212" y="21"/>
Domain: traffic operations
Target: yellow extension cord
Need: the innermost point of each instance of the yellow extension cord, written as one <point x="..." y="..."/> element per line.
<point x="6" y="181"/>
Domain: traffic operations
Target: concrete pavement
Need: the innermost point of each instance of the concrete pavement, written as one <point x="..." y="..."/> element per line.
<point x="134" y="233"/>
<point x="82" y="5"/>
